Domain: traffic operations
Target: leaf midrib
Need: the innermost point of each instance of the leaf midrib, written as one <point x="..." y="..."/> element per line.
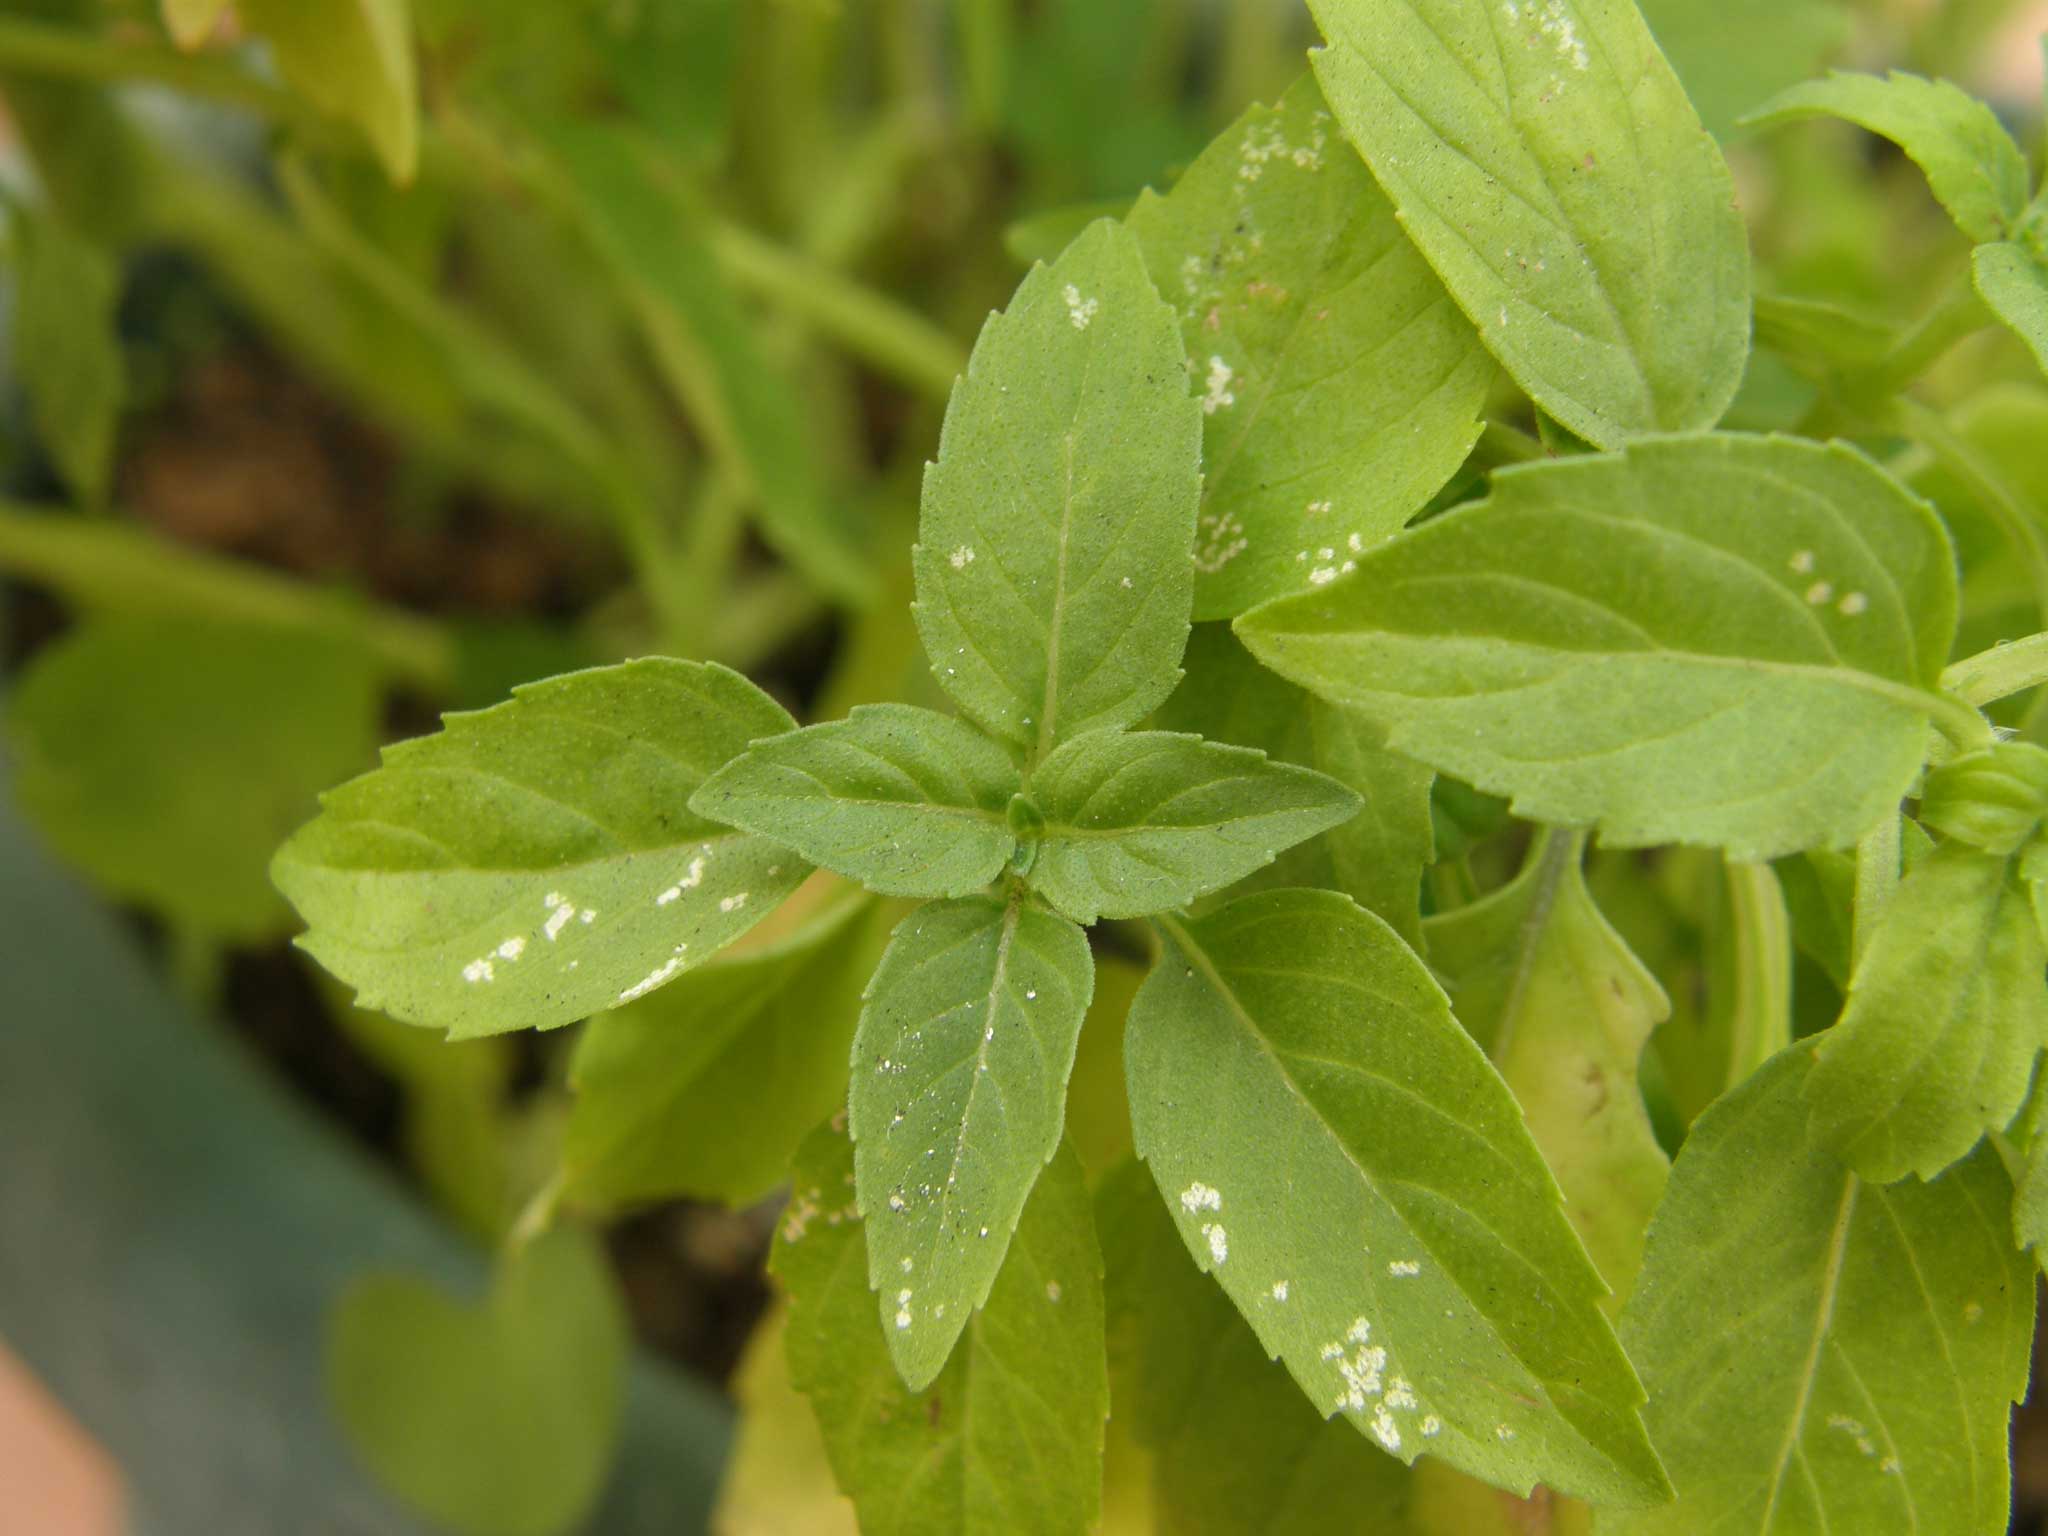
<point x="1831" y="1280"/>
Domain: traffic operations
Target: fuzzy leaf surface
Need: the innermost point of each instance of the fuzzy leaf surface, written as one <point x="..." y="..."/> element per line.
<point x="1564" y="1008"/>
<point x="1822" y="1353"/>
<point x="907" y="801"/>
<point x="1723" y="639"/>
<point x="534" y="862"/>
<point x="707" y="1087"/>
<point x="1136" y="822"/>
<point x="960" y="1067"/>
<point x="2012" y="280"/>
<point x="1053" y="568"/>
<point x="1945" y="1017"/>
<point x="1377" y="858"/>
<point x="1341" y="386"/>
<point x="1007" y="1439"/>
<point x="1338" y="1153"/>
<point x="1975" y="170"/>
<point x="1544" y="157"/>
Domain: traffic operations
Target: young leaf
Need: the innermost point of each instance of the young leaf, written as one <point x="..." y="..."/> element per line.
<point x="1544" y="157"/>
<point x="1946" y="1015"/>
<point x="1342" y="387"/>
<point x="1053" y="573"/>
<point x="1377" y="858"/>
<point x="1555" y="997"/>
<point x="960" y="1067"/>
<point x="2014" y="283"/>
<point x="1138" y="822"/>
<point x="706" y="1088"/>
<point x="497" y="1419"/>
<point x="1007" y="1439"/>
<point x="533" y="863"/>
<point x="1821" y="1353"/>
<point x="67" y="348"/>
<point x="1975" y="170"/>
<point x="904" y="800"/>
<point x="1340" y="1156"/>
<point x="1235" y="1447"/>
<point x="166" y="757"/>
<point x="192" y="22"/>
<point x="354" y="59"/>
<point x="1724" y="640"/>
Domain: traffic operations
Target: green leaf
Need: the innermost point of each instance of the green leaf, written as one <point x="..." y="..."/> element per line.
<point x="67" y="349"/>
<point x="353" y="59"/>
<point x="1724" y="640"/>
<point x="1732" y="54"/>
<point x="906" y="801"/>
<point x="166" y="757"/>
<point x="2015" y="284"/>
<point x="649" y="230"/>
<point x="1563" y="1007"/>
<point x="1053" y="569"/>
<point x="1342" y="387"/>
<point x="1138" y="822"/>
<point x="1007" y="1439"/>
<point x="533" y="863"/>
<point x="1338" y="1153"/>
<point x="1946" y="1014"/>
<point x="706" y="1088"/>
<point x="1975" y="170"/>
<point x="1544" y="157"/>
<point x="1377" y="857"/>
<point x="1821" y="1353"/>
<point x="960" y="1068"/>
<point x="1235" y="1446"/>
<point x="497" y="1419"/>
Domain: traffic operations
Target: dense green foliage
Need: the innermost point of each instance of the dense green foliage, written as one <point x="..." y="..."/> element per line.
<point x="1413" y="896"/>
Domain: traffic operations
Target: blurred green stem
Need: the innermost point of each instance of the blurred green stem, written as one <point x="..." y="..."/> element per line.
<point x="896" y="340"/>
<point x="2008" y="668"/>
<point x="109" y="565"/>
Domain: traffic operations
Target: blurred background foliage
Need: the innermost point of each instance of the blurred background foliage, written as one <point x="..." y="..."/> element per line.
<point x="361" y="359"/>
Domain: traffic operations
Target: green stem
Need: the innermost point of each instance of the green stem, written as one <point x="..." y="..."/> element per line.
<point x="2010" y="667"/>
<point x="68" y="53"/>
<point x="1959" y="313"/>
<point x="1877" y="876"/>
<point x="896" y="340"/>
<point x="119" y="567"/>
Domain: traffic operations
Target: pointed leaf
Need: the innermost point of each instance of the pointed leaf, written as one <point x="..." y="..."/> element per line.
<point x="960" y="1068"/>
<point x="192" y="22"/>
<point x="1972" y="164"/>
<point x="1564" y="1008"/>
<point x="906" y="801"/>
<point x="1236" y="1449"/>
<point x="706" y="1088"/>
<point x="1821" y="1353"/>
<point x="1342" y="387"/>
<point x="533" y="863"/>
<point x="354" y="59"/>
<point x="1053" y="567"/>
<point x="1138" y="822"/>
<point x="1724" y="640"/>
<point x="1007" y="1439"/>
<point x="1340" y="1156"/>
<point x="1946" y="1015"/>
<point x="1377" y="858"/>
<point x="1544" y="157"/>
<point x="2012" y="280"/>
